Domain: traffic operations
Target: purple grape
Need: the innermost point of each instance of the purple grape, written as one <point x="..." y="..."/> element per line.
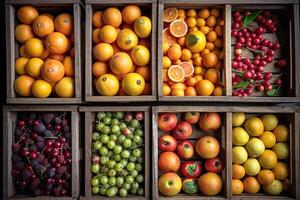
<point x="16" y="158"/>
<point x="60" y="159"/>
<point x="48" y="117"/>
<point x="45" y="162"/>
<point x="61" y="170"/>
<point x="66" y="128"/>
<point x="40" y="145"/>
<point x="49" y="186"/>
<point x="38" y="169"/>
<point x="39" y="128"/>
<point x="40" y="139"/>
<point x="51" y="172"/>
<point x="34" y="162"/>
<point x="26" y="174"/>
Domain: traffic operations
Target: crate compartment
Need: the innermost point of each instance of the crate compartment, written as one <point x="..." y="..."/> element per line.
<point x="93" y="136"/>
<point x="15" y="130"/>
<point x="73" y="8"/>
<point x="148" y="8"/>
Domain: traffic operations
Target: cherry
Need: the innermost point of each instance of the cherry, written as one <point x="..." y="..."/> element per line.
<point x="49" y="143"/>
<point x="247" y="75"/>
<point x="16" y="147"/>
<point x="266" y="83"/>
<point x="54" y="152"/>
<point x="260" y="88"/>
<point x="234" y="33"/>
<point x="234" y="64"/>
<point x="49" y="126"/>
<point x="269" y="87"/>
<point x="21" y="123"/>
<point x="236" y="25"/>
<point x="268" y="59"/>
<point x="33" y="135"/>
<point x="25" y="151"/>
<point x="281" y="63"/>
<point x="15" y="173"/>
<point x="238" y="58"/>
<point x="278" y="82"/>
<point x="256" y="41"/>
<point x="33" y="155"/>
<point x="236" y="14"/>
<point x="57" y="144"/>
<point x="268" y="76"/>
<point x="62" y="139"/>
<point x="57" y="128"/>
<point x="238" y="45"/>
<point x="276" y="45"/>
<point x="67" y="154"/>
<point x="263" y="63"/>
<point x="248" y="44"/>
<point x="36" y="122"/>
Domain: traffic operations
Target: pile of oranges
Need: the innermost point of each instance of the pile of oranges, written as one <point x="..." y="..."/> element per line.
<point x="192" y="52"/>
<point x="46" y="56"/>
<point x="121" y="51"/>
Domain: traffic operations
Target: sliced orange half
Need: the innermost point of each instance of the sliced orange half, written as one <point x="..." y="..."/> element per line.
<point x="188" y="68"/>
<point x="176" y="73"/>
<point x="170" y="14"/>
<point x="167" y="37"/>
<point x="178" y="28"/>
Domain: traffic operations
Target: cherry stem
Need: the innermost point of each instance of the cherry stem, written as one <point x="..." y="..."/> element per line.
<point x="255" y="51"/>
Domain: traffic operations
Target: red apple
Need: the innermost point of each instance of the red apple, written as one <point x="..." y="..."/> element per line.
<point x="167" y="121"/>
<point x="192" y="117"/>
<point x="214" y="165"/>
<point x="185" y="149"/>
<point x="210" y="122"/>
<point x="182" y="130"/>
<point x="167" y="143"/>
<point x="139" y="116"/>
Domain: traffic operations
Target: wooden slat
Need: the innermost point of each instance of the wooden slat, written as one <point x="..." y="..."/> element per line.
<point x="10" y="51"/>
<point x="154" y="50"/>
<point x="88" y="51"/>
<point x="297" y="155"/>
<point x="228" y="157"/>
<point x="119" y="1"/>
<point x="113" y="108"/>
<point x="141" y="98"/>
<point x="228" y="51"/>
<point x="23" y="100"/>
<point x="155" y="195"/>
<point x="75" y="154"/>
<point x="212" y="2"/>
<point x="296" y="47"/>
<point x="87" y="149"/>
<point x="148" y="163"/>
<point x="27" y="108"/>
<point x="159" y="49"/>
<point x="45" y="2"/>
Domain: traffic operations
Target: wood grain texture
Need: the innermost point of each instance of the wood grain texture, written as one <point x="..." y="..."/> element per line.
<point x="75" y="154"/>
<point x="88" y="51"/>
<point x="119" y="98"/>
<point x="45" y="2"/>
<point x="10" y="51"/>
<point x="159" y="49"/>
<point x="119" y="1"/>
<point x="212" y="2"/>
<point x="77" y="47"/>
<point x="228" y="51"/>
<point x="228" y="157"/>
<point x="296" y="32"/>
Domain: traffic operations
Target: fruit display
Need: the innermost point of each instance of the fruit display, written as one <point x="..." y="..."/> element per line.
<point x="122" y="51"/>
<point x="260" y="154"/>
<point x="189" y="160"/>
<point x="117" y="160"/>
<point x="193" y="54"/>
<point x="257" y="66"/>
<point x="45" y="60"/>
<point x="42" y="154"/>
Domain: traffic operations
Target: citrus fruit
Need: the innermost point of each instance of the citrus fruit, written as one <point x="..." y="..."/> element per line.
<point x="112" y="16"/>
<point x="176" y="73"/>
<point x="213" y="75"/>
<point x="237" y="187"/>
<point x="64" y="23"/>
<point x="41" y="89"/>
<point x="281" y="171"/>
<point x="191" y="81"/>
<point x="198" y="70"/>
<point x="56" y="43"/>
<point x="270" y="121"/>
<point x="45" y="54"/>
<point x="239" y="155"/>
<point x="166" y="62"/>
<point x="20" y="65"/>
<point x="140" y="55"/>
<point x="238" y="171"/>
<point x="181" y="13"/>
<point x="204" y="13"/>
<point x="211" y="36"/>
<point x="268" y="138"/>
<point x="65" y="87"/>
<point x="26" y="14"/>
<point x="147" y="90"/>
<point x="142" y="27"/>
<point x="127" y="39"/>
<point x="99" y="68"/>
<point x="174" y="52"/>
<point x="103" y="52"/>
<point x="22" y="52"/>
<point x="23" y="32"/>
<point x="165" y="75"/>
<point x="268" y="159"/>
<point x="275" y="188"/>
<point x="59" y="57"/>
<point x="52" y="70"/>
<point x="218" y="91"/>
<point x="255" y="147"/>
<point x="210" y="60"/>
<point x="170" y="14"/>
<point x="68" y="63"/>
<point x="191" y="23"/>
<point x="33" y="67"/>
<point x="133" y="84"/>
<point x="34" y="47"/>
<point x="97" y="19"/>
<point x="239" y="136"/>
<point x="23" y="85"/>
<point x="130" y="13"/>
<point x="186" y="55"/>
<point x="166" y="90"/>
<point x="251" y="185"/>
<point x="238" y="118"/>
<point x="145" y="72"/>
<point x="178" y="28"/>
<point x="120" y="63"/>
<point x="211" y="21"/>
<point x="210" y="183"/>
<point x="43" y="25"/>
<point x="254" y="126"/>
<point x="108" y="34"/>
<point x="178" y="86"/>
<point x="168" y="38"/>
<point x="107" y="85"/>
<point x="281" y="133"/>
<point x="195" y="41"/>
<point x="251" y="167"/>
<point x="188" y="68"/>
<point x="190" y="91"/>
<point x="281" y="150"/>
<point x="178" y="92"/>
<point x="265" y="177"/>
<point x="204" y="88"/>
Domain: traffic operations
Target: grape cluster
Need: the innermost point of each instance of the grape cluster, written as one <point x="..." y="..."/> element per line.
<point x="249" y="75"/>
<point x="41" y="160"/>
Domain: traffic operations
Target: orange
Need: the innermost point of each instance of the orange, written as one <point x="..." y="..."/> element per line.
<point x="174" y="52"/>
<point x="204" y="52"/>
<point x="41" y="89"/>
<point x="143" y="26"/>
<point x="211" y="21"/>
<point x="200" y="22"/>
<point x="178" y="86"/>
<point x="176" y="73"/>
<point x="268" y="138"/>
<point x="45" y="54"/>
<point x="33" y="67"/>
<point x="20" y="65"/>
<point x="210" y="184"/>
<point x="65" y="87"/>
<point x="212" y="75"/>
<point x="281" y="171"/>
<point x="198" y="77"/>
<point x="145" y="72"/>
<point x="218" y="43"/>
<point x="204" y="13"/>
<point x="133" y="84"/>
<point x="219" y="30"/>
<point x="99" y="68"/>
<point x="112" y="16"/>
<point x="204" y="88"/>
<point x="145" y="42"/>
<point x="188" y="68"/>
<point x="186" y="55"/>
<point x="166" y="62"/>
<point x="170" y="14"/>
<point x="130" y="13"/>
<point x="191" y="22"/>
<point x="268" y="159"/>
<point x="108" y="34"/>
<point x="23" y="32"/>
<point x="181" y="13"/>
<point x="52" y="70"/>
<point x="178" y="92"/>
<point x="215" y="12"/>
<point x="43" y="25"/>
<point x="22" y="52"/>
<point x="191" y="13"/>
<point x="204" y="29"/>
<point x="166" y="90"/>
<point x="64" y="23"/>
<point x="195" y="41"/>
<point x="237" y="187"/>
<point x="281" y="133"/>
<point x="59" y="57"/>
<point x="251" y="185"/>
<point x="68" y="63"/>
<point x="190" y="91"/>
<point x="181" y="41"/>
<point x="147" y="89"/>
<point x="238" y="171"/>
<point x="165" y="75"/>
<point x="197" y="61"/>
<point x="140" y="55"/>
<point x="191" y="81"/>
<point x="176" y="62"/>
<point x="210" y="46"/>
<point x="168" y="37"/>
<point x="165" y="47"/>
<point x="192" y="29"/>
<point x="34" y="47"/>
<point x="107" y="85"/>
<point x="127" y="39"/>
<point x="210" y="60"/>
<point x="23" y="84"/>
<point x="265" y="177"/>
<point x="120" y="63"/>
<point x="26" y="14"/>
<point x="97" y="19"/>
<point x="115" y="47"/>
<point x="56" y="43"/>
<point x="211" y="36"/>
<point x="103" y="52"/>
<point x="218" y="91"/>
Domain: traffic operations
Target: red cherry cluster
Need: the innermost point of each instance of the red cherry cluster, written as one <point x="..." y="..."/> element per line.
<point x="41" y="160"/>
<point x="249" y="75"/>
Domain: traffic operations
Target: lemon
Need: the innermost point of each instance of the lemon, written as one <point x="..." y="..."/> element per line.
<point x="238" y="119"/>
<point x="239" y="136"/>
<point x="254" y="126"/>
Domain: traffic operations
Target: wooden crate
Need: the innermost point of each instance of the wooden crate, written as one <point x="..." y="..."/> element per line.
<point x="89" y="118"/>
<point x="9" y="123"/>
<point x="291" y="7"/>
<point x="289" y="115"/>
<point x="12" y="52"/>
<point x="90" y="94"/>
